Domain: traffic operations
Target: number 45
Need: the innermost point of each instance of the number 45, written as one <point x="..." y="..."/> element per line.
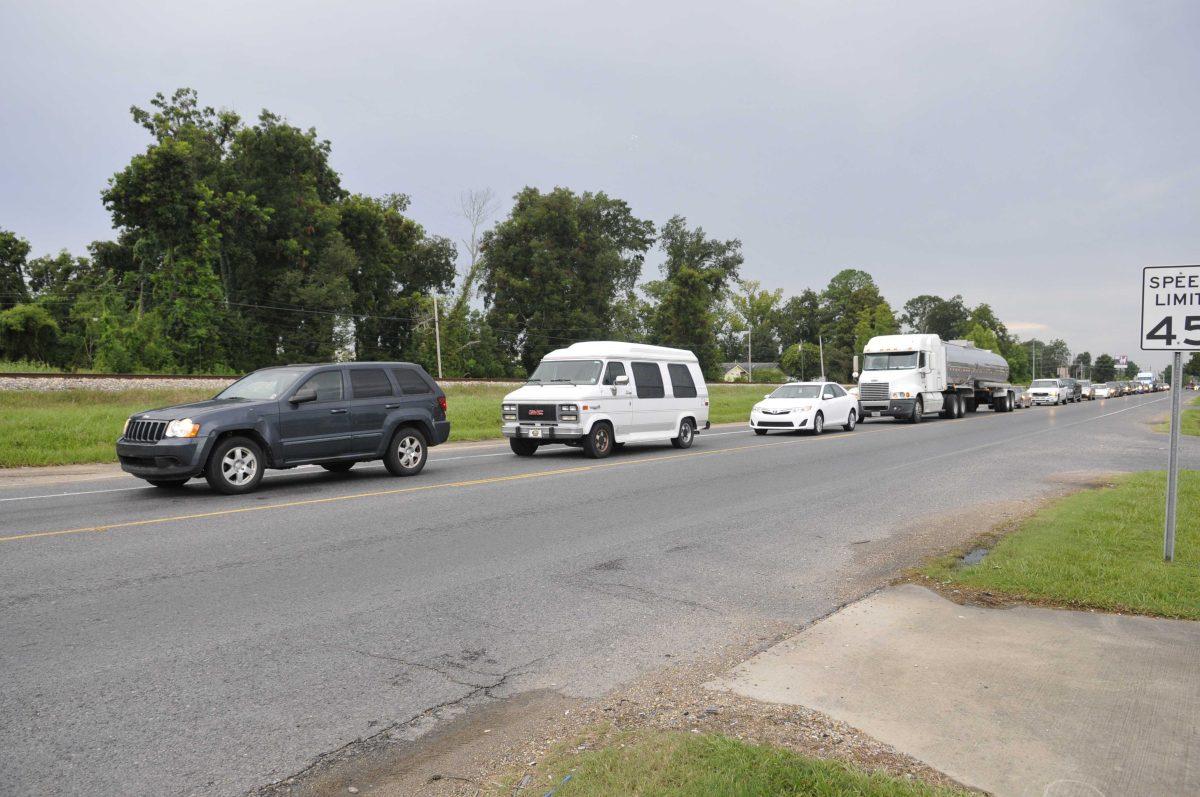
<point x="1165" y="330"/>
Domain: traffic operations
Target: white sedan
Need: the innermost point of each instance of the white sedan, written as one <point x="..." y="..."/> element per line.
<point x="805" y="406"/>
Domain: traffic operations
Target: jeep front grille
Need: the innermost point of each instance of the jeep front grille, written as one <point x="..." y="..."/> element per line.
<point x="145" y="431"/>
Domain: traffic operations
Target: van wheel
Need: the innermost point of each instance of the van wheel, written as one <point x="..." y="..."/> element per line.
<point x="818" y="424"/>
<point x="407" y="453"/>
<point x="850" y="421"/>
<point x="598" y="443"/>
<point x="687" y="433"/>
<point x="337" y="467"/>
<point x="168" y="484"/>
<point x="235" y="466"/>
<point x="522" y="447"/>
<point x="760" y="432"/>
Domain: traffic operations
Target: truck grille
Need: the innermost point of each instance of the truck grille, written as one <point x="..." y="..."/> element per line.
<point x="145" y="431"/>
<point x="873" y="391"/>
<point x="537" y="412"/>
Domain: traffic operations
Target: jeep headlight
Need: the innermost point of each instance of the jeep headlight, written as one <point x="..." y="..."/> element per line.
<point x="182" y="428"/>
<point x="125" y="428"/>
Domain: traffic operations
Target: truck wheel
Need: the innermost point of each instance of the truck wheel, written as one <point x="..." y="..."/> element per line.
<point x="407" y="453"/>
<point x="687" y="433"/>
<point x="818" y="424"/>
<point x="959" y="406"/>
<point x="235" y="466"/>
<point x="851" y="419"/>
<point x="918" y="411"/>
<point x="597" y="443"/>
<point x="970" y="405"/>
<point x="522" y="447"/>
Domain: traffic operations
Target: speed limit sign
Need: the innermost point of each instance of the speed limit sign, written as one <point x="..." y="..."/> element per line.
<point x="1171" y="308"/>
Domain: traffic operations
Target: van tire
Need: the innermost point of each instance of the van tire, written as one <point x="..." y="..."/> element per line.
<point x="598" y="442"/>
<point x="235" y="448"/>
<point x="851" y="419"/>
<point x="407" y="452"/>
<point x="687" y="434"/>
<point x="522" y="447"/>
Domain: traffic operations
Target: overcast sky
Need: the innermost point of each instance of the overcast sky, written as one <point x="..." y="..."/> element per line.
<point x="1031" y="155"/>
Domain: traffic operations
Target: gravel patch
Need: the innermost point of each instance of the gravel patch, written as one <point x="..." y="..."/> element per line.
<point x="111" y="385"/>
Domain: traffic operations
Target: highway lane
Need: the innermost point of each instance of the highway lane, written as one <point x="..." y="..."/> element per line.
<point x="204" y="644"/>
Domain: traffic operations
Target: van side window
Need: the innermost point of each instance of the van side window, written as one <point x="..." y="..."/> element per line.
<point x="649" y="380"/>
<point x="328" y="385"/>
<point x="682" y="384"/>
<point x="370" y="383"/>
<point x="410" y="382"/>
<point x="612" y="371"/>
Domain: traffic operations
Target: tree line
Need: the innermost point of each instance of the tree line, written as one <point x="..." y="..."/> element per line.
<point x="237" y="247"/>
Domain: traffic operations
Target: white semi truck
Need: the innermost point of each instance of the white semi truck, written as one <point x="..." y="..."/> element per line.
<point x="910" y="376"/>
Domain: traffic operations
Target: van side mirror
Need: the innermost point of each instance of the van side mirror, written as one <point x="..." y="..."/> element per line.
<point x="622" y="379"/>
<point x="304" y="395"/>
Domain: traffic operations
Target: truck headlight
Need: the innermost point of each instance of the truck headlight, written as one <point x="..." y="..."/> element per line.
<point x="182" y="428"/>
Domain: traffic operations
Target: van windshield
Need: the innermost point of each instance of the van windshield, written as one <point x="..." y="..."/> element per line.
<point x="892" y="361"/>
<point x="574" y="372"/>
<point x="1044" y="383"/>
<point x="268" y="384"/>
<point x="797" y="391"/>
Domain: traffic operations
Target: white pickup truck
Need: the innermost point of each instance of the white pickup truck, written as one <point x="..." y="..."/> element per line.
<point x="910" y="376"/>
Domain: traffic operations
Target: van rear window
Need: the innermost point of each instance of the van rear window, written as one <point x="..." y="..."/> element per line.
<point x="682" y="384"/>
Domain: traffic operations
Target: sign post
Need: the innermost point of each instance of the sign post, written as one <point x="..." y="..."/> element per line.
<point x="1171" y="322"/>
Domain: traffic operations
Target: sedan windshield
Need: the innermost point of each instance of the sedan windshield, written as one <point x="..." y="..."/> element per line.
<point x="268" y="384"/>
<point x="797" y="392"/>
<point x="575" y="372"/>
<point x="893" y="361"/>
<point x="1044" y="383"/>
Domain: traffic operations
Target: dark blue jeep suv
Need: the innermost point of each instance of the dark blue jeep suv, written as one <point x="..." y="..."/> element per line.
<point x="332" y="415"/>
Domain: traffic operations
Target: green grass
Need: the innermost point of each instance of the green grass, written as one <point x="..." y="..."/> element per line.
<point x="1189" y="420"/>
<point x="26" y="367"/>
<point x="673" y="764"/>
<point x="78" y="426"/>
<point x="1098" y="549"/>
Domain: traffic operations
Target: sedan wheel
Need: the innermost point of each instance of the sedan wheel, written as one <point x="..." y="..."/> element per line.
<point x="818" y="424"/>
<point x="850" y="421"/>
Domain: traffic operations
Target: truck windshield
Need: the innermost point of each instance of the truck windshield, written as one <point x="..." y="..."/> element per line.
<point x="575" y="372"/>
<point x="269" y="384"/>
<point x="892" y="361"/>
<point x="1044" y="383"/>
<point x="797" y="391"/>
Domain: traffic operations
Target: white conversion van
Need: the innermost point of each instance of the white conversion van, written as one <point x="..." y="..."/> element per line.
<point x="600" y="395"/>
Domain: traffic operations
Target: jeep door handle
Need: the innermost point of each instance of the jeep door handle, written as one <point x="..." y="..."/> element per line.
<point x="337" y="412"/>
<point x="391" y="406"/>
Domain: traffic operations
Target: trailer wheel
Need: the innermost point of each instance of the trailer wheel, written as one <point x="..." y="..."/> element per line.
<point x="1000" y="403"/>
<point x="959" y="408"/>
<point x="971" y="404"/>
<point x="947" y="408"/>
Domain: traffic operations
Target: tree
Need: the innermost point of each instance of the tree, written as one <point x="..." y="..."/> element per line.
<point x="1132" y="369"/>
<point x="1192" y="366"/>
<point x="1104" y="369"/>
<point x="554" y="268"/>
<point x="695" y="275"/>
<point x="948" y="318"/>
<point x="1017" y="355"/>
<point x="13" y="252"/>
<point x="755" y="310"/>
<point x="983" y="337"/>
<point x="476" y="207"/>
<point x="801" y="360"/>
<point x="872" y="322"/>
<point x="800" y="318"/>
<point x="1081" y="366"/>
<point x="984" y="316"/>
<point x="27" y="332"/>
<point x="849" y="294"/>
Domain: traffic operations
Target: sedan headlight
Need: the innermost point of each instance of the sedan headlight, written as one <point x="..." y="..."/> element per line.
<point x="182" y="428"/>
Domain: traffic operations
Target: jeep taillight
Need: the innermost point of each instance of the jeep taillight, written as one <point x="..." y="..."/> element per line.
<point x="442" y="402"/>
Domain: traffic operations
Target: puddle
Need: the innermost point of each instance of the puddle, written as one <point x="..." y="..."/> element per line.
<point x="973" y="557"/>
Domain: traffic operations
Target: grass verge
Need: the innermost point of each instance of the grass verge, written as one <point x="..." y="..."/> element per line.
<point x="675" y="764"/>
<point x="1100" y="549"/>
<point x="1189" y="420"/>
<point x="71" y="427"/>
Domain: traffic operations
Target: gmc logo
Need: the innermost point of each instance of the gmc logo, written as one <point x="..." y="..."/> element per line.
<point x="536" y="413"/>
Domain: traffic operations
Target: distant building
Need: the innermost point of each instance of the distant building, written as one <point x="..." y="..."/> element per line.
<point x="736" y="372"/>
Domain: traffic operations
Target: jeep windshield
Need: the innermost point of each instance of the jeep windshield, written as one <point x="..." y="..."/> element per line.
<point x="892" y="361"/>
<point x="572" y="372"/>
<point x="265" y="385"/>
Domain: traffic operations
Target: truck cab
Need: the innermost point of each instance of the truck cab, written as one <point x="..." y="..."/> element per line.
<point x="899" y="369"/>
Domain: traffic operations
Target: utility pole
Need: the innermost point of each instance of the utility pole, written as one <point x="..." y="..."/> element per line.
<point x="821" y="349"/>
<point x="1033" y="367"/>
<point x="437" y="335"/>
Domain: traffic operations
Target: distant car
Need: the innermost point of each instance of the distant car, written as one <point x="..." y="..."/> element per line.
<point x="1075" y="392"/>
<point x="1049" y="391"/>
<point x="331" y="415"/>
<point x="1024" y="398"/>
<point x="1086" y="389"/>
<point x="1104" y="390"/>
<point x="805" y="406"/>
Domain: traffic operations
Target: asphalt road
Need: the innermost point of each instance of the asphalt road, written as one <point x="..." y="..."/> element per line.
<point x="189" y="643"/>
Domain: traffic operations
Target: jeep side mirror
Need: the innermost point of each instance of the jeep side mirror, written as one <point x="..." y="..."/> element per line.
<point x="304" y="395"/>
<point x="622" y="379"/>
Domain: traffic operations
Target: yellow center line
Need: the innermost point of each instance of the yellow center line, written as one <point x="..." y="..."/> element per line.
<point x="397" y="491"/>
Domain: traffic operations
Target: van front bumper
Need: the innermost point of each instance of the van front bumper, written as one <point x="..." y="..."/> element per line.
<point x="545" y="432"/>
<point x="169" y="458"/>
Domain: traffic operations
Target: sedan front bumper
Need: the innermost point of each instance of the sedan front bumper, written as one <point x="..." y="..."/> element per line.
<point x="791" y="420"/>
